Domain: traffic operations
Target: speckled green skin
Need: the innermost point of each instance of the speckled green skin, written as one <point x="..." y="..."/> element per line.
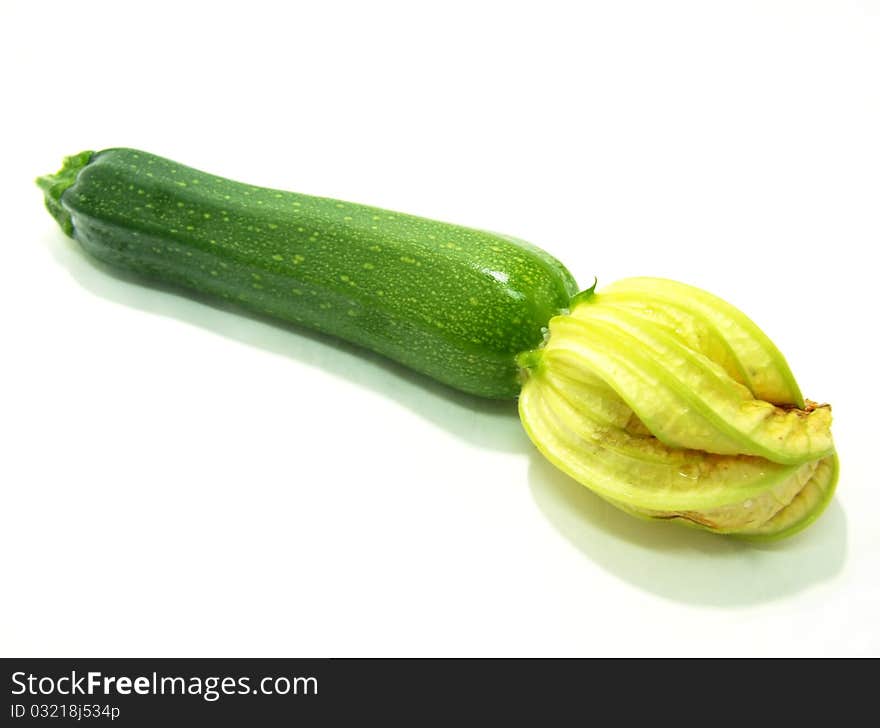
<point x="451" y="302"/>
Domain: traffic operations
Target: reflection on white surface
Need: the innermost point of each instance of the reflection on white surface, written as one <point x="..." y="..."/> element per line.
<point x="682" y="564"/>
<point x="487" y="423"/>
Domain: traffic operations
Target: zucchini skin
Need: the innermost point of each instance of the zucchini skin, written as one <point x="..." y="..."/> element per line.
<point x="451" y="302"/>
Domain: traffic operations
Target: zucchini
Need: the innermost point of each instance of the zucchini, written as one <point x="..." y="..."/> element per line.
<point x="661" y="398"/>
<point x="454" y="303"/>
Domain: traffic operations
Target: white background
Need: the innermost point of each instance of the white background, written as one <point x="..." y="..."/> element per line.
<point x="178" y="480"/>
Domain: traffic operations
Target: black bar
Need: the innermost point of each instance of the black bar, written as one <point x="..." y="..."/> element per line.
<point x="162" y="692"/>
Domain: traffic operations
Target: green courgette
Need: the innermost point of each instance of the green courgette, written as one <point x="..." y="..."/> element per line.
<point x="661" y="398"/>
<point x="452" y="302"/>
